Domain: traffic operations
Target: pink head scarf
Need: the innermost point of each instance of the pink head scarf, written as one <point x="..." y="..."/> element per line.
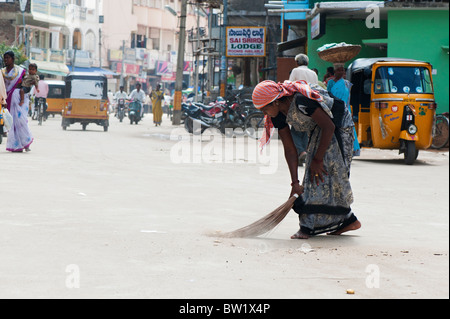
<point x="267" y="92"/>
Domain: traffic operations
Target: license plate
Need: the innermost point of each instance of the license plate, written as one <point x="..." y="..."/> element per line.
<point x="219" y="114"/>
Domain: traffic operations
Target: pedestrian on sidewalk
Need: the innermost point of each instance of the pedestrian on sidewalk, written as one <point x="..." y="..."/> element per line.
<point x="302" y="73"/>
<point x="324" y="205"/>
<point x="19" y="137"/>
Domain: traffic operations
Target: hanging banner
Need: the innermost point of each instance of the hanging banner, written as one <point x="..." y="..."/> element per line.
<point x="164" y="68"/>
<point x="318" y="26"/>
<point x="246" y="42"/>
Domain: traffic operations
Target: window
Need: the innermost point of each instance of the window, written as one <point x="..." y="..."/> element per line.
<point x="403" y="80"/>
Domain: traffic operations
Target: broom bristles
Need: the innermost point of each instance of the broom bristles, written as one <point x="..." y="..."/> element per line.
<point x="266" y="223"/>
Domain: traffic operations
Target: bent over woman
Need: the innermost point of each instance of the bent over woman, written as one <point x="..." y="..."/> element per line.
<point x="326" y="196"/>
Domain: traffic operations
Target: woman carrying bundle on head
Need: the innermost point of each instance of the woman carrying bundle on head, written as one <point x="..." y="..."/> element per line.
<point x="326" y="194"/>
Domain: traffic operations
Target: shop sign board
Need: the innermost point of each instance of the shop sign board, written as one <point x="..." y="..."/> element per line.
<point x="246" y="41"/>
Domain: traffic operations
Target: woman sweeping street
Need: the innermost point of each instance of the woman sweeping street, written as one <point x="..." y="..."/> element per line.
<point x="326" y="194"/>
<point x="19" y="137"/>
<point x="157" y="97"/>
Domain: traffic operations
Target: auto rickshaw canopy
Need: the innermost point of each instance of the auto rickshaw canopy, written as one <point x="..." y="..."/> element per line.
<point x="364" y="64"/>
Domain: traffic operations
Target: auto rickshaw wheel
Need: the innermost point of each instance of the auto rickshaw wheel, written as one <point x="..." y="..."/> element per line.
<point x="411" y="153"/>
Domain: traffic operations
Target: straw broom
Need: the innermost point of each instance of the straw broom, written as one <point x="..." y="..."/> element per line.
<point x="266" y="223"/>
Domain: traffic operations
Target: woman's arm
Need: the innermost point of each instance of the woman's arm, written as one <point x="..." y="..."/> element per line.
<point x="291" y="155"/>
<point x="327" y="126"/>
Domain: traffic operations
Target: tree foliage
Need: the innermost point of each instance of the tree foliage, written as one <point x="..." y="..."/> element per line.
<point x="19" y="52"/>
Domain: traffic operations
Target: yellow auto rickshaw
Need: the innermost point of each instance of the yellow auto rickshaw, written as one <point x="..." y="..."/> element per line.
<point x="56" y="97"/>
<point x="86" y="100"/>
<point x="393" y="104"/>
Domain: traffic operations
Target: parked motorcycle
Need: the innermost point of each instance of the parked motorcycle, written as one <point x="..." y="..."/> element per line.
<point x="198" y="120"/>
<point x="187" y="109"/>
<point x="134" y="112"/>
<point x="233" y="122"/>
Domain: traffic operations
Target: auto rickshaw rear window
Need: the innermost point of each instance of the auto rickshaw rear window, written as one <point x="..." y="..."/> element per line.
<point x="86" y="89"/>
<point x="402" y="80"/>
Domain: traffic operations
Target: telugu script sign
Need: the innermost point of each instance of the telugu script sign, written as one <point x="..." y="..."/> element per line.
<point x="246" y="41"/>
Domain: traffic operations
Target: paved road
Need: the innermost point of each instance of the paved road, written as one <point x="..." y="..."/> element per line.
<point x="129" y="214"/>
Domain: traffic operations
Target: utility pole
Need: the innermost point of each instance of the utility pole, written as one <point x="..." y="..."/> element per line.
<point x="180" y="66"/>
<point x="223" y="64"/>
<point x="197" y="56"/>
<point x="101" y="20"/>
<point x="122" y="71"/>
<point x="100" y="46"/>
<point x="23" y="6"/>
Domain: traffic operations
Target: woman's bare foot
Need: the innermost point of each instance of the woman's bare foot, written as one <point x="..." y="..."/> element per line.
<point x="355" y="226"/>
<point x="299" y="235"/>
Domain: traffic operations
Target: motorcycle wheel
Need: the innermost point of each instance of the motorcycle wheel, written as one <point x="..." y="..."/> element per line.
<point x="188" y="125"/>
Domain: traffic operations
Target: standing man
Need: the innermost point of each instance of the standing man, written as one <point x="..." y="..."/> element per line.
<point x="302" y="72"/>
<point x="41" y="92"/>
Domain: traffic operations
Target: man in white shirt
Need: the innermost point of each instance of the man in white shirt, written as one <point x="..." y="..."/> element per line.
<point x="138" y="95"/>
<point x="302" y="72"/>
<point x="121" y="94"/>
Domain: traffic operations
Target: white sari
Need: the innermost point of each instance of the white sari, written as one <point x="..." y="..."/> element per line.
<point x="3" y="95"/>
<point x="19" y="137"/>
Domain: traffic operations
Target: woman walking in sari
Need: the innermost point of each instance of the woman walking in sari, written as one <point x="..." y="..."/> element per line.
<point x="19" y="137"/>
<point x="157" y="97"/>
<point x="326" y="195"/>
<point x="340" y="88"/>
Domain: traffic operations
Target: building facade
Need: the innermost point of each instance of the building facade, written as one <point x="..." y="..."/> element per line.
<point x="58" y="35"/>
<point x="250" y="70"/>
<point x="140" y="40"/>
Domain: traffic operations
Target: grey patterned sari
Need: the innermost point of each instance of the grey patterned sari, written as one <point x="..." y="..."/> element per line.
<point x="326" y="208"/>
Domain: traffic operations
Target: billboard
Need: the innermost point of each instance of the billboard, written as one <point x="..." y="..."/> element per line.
<point x="246" y="42"/>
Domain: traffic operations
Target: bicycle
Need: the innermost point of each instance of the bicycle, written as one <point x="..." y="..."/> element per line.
<point x="254" y="125"/>
<point x="40" y="110"/>
<point x="440" y="131"/>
